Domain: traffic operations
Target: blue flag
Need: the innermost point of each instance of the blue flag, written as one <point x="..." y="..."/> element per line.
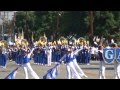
<point x="12" y="74"/>
<point x="51" y="73"/>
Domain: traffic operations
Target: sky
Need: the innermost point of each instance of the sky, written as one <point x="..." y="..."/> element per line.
<point x="10" y="15"/>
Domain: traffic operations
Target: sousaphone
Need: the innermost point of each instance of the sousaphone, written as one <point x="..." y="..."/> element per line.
<point x="81" y="40"/>
<point x="24" y="42"/>
<point x="63" y="40"/>
<point x="43" y="41"/>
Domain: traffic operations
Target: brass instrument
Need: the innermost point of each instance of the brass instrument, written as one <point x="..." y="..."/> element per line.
<point x="36" y="43"/>
<point x="17" y="44"/>
<point x="22" y="42"/>
<point x="3" y="43"/>
<point x="81" y="41"/>
<point x="73" y="40"/>
<point x="87" y="42"/>
<point x="63" y="40"/>
<point x="54" y="43"/>
<point x="43" y="41"/>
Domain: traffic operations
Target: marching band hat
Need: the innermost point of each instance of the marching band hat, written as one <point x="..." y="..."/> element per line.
<point x="24" y="50"/>
<point x="68" y="50"/>
<point x="72" y="47"/>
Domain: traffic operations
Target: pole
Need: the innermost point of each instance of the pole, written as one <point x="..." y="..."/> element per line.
<point x="2" y="33"/>
<point x="3" y="26"/>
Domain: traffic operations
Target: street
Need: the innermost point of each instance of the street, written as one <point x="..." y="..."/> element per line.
<point x="92" y="70"/>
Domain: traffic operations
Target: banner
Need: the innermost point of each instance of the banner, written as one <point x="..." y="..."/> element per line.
<point x="109" y="55"/>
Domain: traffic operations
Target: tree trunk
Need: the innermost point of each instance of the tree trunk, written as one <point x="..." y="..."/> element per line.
<point x="91" y="28"/>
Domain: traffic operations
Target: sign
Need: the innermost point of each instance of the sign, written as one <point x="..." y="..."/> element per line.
<point x="109" y="55"/>
<point x="118" y="55"/>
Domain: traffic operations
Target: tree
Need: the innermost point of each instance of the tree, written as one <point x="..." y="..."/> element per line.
<point x="25" y="20"/>
<point x="73" y="22"/>
<point x="65" y="23"/>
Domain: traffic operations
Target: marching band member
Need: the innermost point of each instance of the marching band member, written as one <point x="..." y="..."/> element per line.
<point x="102" y="63"/>
<point x="16" y="55"/>
<point x="112" y="41"/>
<point x="35" y="56"/>
<point x="10" y="54"/>
<point x="26" y="64"/>
<point x="116" y="64"/>
<point x="39" y="57"/>
<point x="44" y="56"/>
<point x="21" y="55"/>
<point x="87" y="59"/>
<point x="3" y="57"/>
<point x="63" y="51"/>
<point x="118" y="67"/>
<point x="49" y="54"/>
<point x="81" y="73"/>
<point x="69" y="57"/>
<point x="53" y="54"/>
<point x="83" y="55"/>
<point x="58" y="53"/>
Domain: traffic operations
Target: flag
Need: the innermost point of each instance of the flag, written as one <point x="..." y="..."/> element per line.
<point x="22" y="37"/>
<point x="32" y="37"/>
<point x="15" y="38"/>
<point x="32" y="40"/>
<point x="12" y="74"/>
<point x="52" y="73"/>
<point x="44" y="35"/>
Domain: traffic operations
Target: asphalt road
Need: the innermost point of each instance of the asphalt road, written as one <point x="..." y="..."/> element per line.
<point x="92" y="70"/>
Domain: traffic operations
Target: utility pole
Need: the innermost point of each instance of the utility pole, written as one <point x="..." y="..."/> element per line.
<point x="3" y="18"/>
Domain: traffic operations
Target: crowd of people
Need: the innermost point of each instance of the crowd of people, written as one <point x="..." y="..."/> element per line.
<point x="45" y="55"/>
<point x="71" y="55"/>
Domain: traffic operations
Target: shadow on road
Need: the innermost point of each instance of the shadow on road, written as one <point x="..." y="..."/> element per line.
<point x="97" y="68"/>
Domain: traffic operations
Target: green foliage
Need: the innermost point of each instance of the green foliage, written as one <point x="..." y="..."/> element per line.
<point x="65" y="23"/>
<point x="73" y="22"/>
